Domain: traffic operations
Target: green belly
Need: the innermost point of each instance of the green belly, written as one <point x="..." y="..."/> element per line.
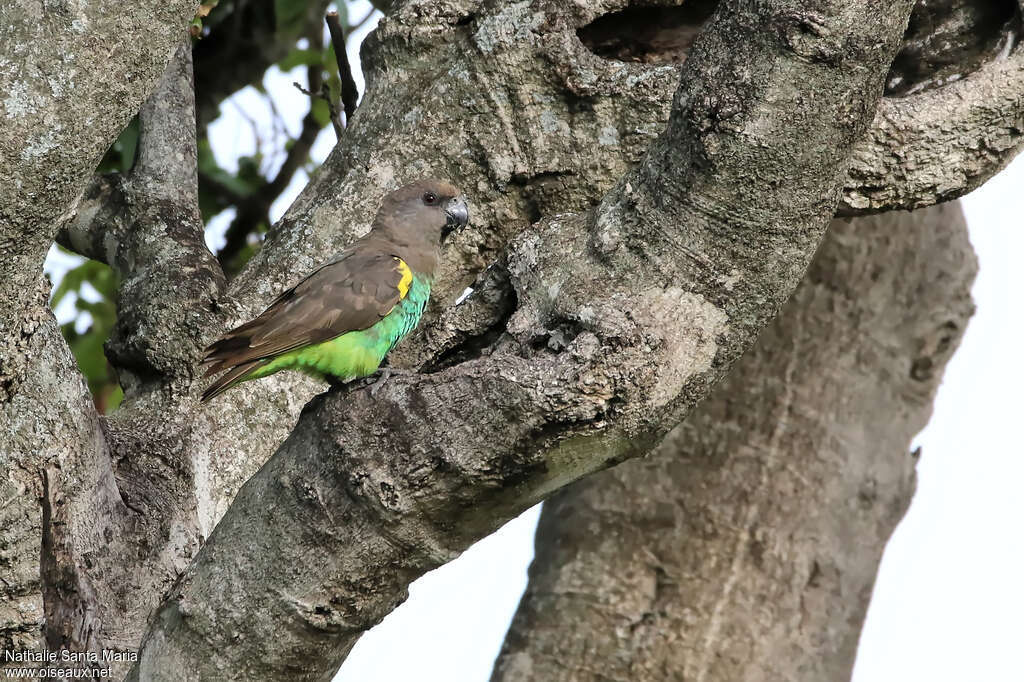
<point x="357" y="353"/>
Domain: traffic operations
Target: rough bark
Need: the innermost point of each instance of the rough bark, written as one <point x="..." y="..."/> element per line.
<point x="746" y="546"/>
<point x="522" y="112"/>
<point x="941" y="143"/>
<point x="624" y="317"/>
<point x="537" y="122"/>
<point x="508" y="101"/>
<point x="147" y="226"/>
<point x="518" y="100"/>
<point x="72" y="76"/>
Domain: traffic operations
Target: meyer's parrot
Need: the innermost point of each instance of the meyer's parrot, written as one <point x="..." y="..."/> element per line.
<point x="343" y="318"/>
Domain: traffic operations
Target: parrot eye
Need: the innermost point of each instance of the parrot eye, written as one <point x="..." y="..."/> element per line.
<point x="429" y="198"/>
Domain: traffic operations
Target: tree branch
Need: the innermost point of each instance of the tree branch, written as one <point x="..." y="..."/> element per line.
<point x="254" y="209"/>
<point x="939" y="144"/>
<point x="349" y="91"/>
<point x="149" y="229"/>
<point x="58" y="122"/>
<point x="585" y="376"/>
<point x="511" y="105"/>
<point x="147" y="226"/>
<point x="522" y="150"/>
<point x="100" y="220"/>
<point x="61" y="500"/>
<point x="49" y="149"/>
<point x="746" y="546"/>
<point x="166" y="168"/>
<point x="518" y="161"/>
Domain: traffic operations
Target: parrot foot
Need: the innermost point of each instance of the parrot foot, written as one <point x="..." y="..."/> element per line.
<point x="334" y="382"/>
<point x="385" y="373"/>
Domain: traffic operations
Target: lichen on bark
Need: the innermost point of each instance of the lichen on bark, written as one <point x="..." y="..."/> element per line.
<point x="745" y="547"/>
<point x="625" y="249"/>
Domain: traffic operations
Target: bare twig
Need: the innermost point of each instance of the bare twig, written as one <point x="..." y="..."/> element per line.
<point x="241" y="111"/>
<point x="332" y="108"/>
<point x="349" y="92"/>
<point x="255" y="208"/>
<point x="300" y="149"/>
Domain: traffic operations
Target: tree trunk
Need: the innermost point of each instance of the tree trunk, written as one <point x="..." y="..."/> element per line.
<point x="72" y="74"/>
<point x="746" y="547"/>
<point x="626" y="247"/>
<point x="621" y="318"/>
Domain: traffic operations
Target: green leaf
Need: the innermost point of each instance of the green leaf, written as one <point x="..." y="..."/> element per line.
<point x="329" y="61"/>
<point x="242" y="184"/>
<point x="87" y="347"/>
<point x="300" y="57"/>
<point x="210" y="203"/>
<point x="290" y="16"/>
<point x="321" y="112"/>
<point x="249" y="172"/>
<point x="120" y="157"/>
<point x="89" y="271"/>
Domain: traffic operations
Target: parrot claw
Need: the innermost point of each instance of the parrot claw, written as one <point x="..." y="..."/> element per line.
<point x="375" y="387"/>
<point x="385" y="373"/>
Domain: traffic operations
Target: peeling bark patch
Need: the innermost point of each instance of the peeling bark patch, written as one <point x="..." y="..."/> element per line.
<point x="648" y="35"/>
<point x="690" y="326"/>
<point x="948" y="39"/>
<point x="69" y="602"/>
<point x="512" y="25"/>
<point x="808" y="36"/>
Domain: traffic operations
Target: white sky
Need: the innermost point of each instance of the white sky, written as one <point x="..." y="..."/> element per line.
<point x="949" y="601"/>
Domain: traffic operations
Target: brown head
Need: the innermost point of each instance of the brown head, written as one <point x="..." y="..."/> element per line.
<point x="416" y="219"/>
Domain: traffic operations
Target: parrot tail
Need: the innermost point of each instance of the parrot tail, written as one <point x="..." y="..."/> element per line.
<point x="236" y="375"/>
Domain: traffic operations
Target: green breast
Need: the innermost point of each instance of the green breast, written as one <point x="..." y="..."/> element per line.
<point x="358" y="353"/>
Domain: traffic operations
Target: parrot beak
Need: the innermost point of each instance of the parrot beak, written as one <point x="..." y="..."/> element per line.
<point x="458" y="215"/>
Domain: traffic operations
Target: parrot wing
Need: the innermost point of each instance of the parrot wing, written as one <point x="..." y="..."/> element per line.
<point x="348" y="294"/>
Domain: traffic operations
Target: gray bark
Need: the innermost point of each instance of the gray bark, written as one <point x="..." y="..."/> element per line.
<point x="590" y="333"/>
<point x="72" y="76"/>
<point x="624" y="316"/>
<point x="954" y="115"/>
<point x="745" y="547"/>
<point x="147" y="226"/>
<point x="950" y="139"/>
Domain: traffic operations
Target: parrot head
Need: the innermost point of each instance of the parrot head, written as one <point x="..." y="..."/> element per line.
<point x="427" y="210"/>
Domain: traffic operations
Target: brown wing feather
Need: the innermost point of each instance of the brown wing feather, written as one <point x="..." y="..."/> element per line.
<point x="231" y="378"/>
<point x="348" y="294"/>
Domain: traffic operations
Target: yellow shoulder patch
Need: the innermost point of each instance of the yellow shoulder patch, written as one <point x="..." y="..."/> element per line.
<point x="406" y="281"/>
